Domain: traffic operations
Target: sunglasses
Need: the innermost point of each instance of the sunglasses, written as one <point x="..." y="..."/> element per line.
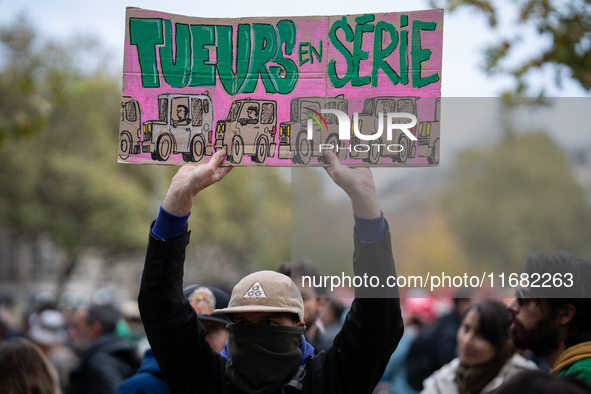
<point x="521" y="296"/>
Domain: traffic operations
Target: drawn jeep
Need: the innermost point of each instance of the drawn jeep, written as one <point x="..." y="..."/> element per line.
<point x="325" y="129"/>
<point x="429" y="136"/>
<point x="184" y="126"/>
<point x="249" y="129"/>
<point x="369" y="124"/>
<point x="130" y="128"/>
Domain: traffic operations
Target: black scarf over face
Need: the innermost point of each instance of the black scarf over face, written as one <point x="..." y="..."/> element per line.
<point x="262" y="358"/>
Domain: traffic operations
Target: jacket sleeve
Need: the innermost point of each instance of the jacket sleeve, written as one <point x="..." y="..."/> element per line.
<point x="371" y="331"/>
<point x="175" y="335"/>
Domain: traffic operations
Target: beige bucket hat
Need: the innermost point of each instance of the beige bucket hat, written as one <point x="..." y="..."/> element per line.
<point x="265" y="291"/>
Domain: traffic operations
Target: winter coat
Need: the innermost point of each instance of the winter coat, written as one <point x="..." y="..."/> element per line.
<point x="575" y="362"/>
<point x="433" y="347"/>
<point x="104" y="366"/>
<point x="147" y="380"/>
<point x="354" y="364"/>
<point x="443" y="380"/>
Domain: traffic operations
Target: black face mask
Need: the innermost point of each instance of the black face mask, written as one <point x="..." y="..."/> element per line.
<point x="262" y="358"/>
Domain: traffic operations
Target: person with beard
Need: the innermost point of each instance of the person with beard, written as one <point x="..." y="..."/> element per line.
<point x="486" y="359"/>
<point x="266" y="351"/>
<point x="105" y="360"/>
<point x="555" y="322"/>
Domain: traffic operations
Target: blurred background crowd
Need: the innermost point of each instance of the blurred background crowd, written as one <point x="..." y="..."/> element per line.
<point x="514" y="176"/>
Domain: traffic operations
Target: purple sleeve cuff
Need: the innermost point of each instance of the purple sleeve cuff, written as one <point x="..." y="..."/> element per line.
<point x="168" y="225"/>
<point x="370" y="230"/>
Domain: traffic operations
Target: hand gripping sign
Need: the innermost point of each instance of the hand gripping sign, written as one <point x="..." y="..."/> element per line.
<point x="280" y="91"/>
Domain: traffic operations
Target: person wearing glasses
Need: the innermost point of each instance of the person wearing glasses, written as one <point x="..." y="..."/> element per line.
<point x="552" y="316"/>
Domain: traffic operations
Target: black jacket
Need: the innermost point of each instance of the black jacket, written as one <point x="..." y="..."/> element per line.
<point x="433" y="347"/>
<point x="104" y="366"/>
<point x="354" y="364"/>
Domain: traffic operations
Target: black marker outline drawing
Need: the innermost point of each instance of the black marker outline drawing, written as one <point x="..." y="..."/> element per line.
<point x="293" y="135"/>
<point x="184" y="126"/>
<point x="130" y="128"/>
<point x="368" y="124"/>
<point x="428" y="135"/>
<point x="248" y="130"/>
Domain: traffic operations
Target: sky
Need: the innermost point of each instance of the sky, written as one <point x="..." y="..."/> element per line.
<point x="469" y="122"/>
<point x="465" y="32"/>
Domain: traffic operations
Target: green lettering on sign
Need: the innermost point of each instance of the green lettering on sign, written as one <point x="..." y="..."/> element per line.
<point x="176" y="71"/>
<point x="419" y="55"/>
<point x="379" y="53"/>
<point x="285" y="74"/>
<point x="332" y="68"/>
<point x="358" y="53"/>
<point x="264" y="47"/>
<point x="231" y="81"/>
<point x="202" y="71"/>
<point x="146" y="34"/>
<point x="316" y="52"/>
<point x="302" y="52"/>
<point x="403" y="58"/>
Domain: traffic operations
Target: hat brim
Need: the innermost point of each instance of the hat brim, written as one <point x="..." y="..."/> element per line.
<point x="216" y="319"/>
<point x="257" y="308"/>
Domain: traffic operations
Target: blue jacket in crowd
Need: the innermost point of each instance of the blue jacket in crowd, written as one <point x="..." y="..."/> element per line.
<point x="147" y="380"/>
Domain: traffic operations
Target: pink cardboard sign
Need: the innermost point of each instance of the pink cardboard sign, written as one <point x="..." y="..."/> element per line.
<point x="280" y="91"/>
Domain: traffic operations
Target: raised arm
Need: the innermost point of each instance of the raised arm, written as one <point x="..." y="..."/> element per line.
<point x="358" y="184"/>
<point x="190" y="180"/>
<point x="177" y="339"/>
<point x="373" y="327"/>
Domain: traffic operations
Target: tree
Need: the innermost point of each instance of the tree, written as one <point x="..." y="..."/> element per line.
<point x="421" y="238"/>
<point x="59" y="173"/>
<point x="566" y="24"/>
<point x="516" y="197"/>
<point x="247" y="215"/>
<point x="60" y="176"/>
<point x="23" y="105"/>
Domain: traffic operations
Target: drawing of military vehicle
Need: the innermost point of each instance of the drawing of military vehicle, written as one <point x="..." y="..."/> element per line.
<point x="249" y="129"/>
<point x="429" y="136"/>
<point x="400" y="148"/>
<point x="130" y="128"/>
<point x="293" y="135"/>
<point x="184" y="126"/>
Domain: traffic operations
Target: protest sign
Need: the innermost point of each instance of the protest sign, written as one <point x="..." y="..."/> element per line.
<point x="279" y="91"/>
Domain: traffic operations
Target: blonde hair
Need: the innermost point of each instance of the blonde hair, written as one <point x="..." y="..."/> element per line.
<point x="24" y="369"/>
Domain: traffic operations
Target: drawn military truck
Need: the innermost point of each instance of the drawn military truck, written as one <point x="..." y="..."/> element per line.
<point x="429" y="136"/>
<point x="248" y="130"/>
<point x="293" y="135"/>
<point x="130" y="128"/>
<point x="400" y="148"/>
<point x="184" y="126"/>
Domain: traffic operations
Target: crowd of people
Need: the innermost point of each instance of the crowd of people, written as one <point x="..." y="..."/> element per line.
<point x="273" y="335"/>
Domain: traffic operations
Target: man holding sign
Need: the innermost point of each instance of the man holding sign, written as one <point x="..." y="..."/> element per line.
<point x="266" y="351"/>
